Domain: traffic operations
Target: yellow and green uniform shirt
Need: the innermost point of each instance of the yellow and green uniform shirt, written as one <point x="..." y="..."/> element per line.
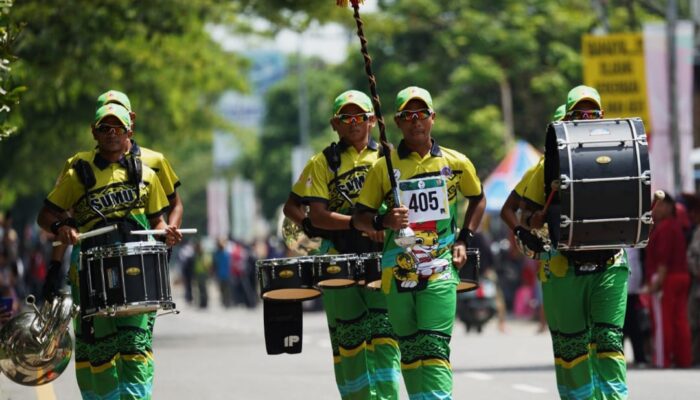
<point x="153" y="159"/>
<point x="437" y="236"/>
<point x="522" y="185"/>
<point x="303" y="184"/>
<point x="534" y="187"/>
<point x="112" y="195"/>
<point x="324" y="186"/>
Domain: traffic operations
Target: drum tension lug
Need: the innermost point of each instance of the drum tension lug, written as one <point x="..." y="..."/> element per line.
<point x="561" y="144"/>
<point x="564" y="182"/>
<point x="646" y="218"/>
<point x="646" y="177"/>
<point x="565" y="221"/>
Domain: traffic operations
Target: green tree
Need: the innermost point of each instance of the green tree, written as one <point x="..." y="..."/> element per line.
<point x="158" y="52"/>
<point x="270" y="167"/>
<point x="9" y="91"/>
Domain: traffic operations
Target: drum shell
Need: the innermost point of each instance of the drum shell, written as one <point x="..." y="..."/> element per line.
<point x="469" y="273"/>
<point x="286" y="279"/>
<point x="370" y="270"/>
<point x="126" y="279"/>
<point x="335" y="271"/>
<point x="611" y="156"/>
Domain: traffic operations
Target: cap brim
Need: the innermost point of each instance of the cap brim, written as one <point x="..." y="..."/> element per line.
<point x="365" y="109"/>
<point x="126" y="125"/>
<point x="403" y="105"/>
<point x="584" y="99"/>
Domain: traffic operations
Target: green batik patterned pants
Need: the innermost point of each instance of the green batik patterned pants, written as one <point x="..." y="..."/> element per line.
<point x="585" y="314"/>
<point x="113" y="355"/>
<point x="423" y="321"/>
<point x="365" y="350"/>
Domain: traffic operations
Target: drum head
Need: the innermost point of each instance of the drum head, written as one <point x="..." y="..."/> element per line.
<point x="375" y="285"/>
<point x="466" y="286"/>
<point x="293" y="294"/>
<point x="336" y="283"/>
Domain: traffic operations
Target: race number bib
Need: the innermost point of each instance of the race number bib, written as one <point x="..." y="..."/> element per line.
<point x="425" y="198"/>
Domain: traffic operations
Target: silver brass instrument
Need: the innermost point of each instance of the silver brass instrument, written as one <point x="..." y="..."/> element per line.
<point x="296" y="240"/>
<point x="35" y="347"/>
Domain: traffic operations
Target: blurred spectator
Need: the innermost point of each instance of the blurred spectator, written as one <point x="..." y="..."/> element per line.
<point x="202" y="269"/>
<point x="637" y="324"/>
<point x="669" y="284"/>
<point x="222" y="268"/>
<point x="186" y="257"/>
<point x="693" y="204"/>
<point x="275" y="247"/>
<point x="239" y="261"/>
<point x="10" y="239"/>
<point x="7" y="294"/>
<point x="36" y="270"/>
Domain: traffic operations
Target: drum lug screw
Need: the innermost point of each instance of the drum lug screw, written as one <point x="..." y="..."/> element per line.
<point x="564" y="182"/>
<point x="561" y="144"/>
<point x="564" y="221"/>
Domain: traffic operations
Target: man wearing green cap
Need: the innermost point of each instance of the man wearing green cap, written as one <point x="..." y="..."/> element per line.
<point x="114" y="356"/>
<point x="420" y="280"/>
<point x="153" y="159"/>
<point x="366" y="357"/>
<point x="513" y="202"/>
<point x="585" y="309"/>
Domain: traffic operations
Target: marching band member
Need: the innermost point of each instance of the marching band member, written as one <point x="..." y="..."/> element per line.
<point x="114" y="356"/>
<point x="365" y="352"/>
<point x="584" y="292"/>
<point x="153" y="159"/>
<point x="420" y="281"/>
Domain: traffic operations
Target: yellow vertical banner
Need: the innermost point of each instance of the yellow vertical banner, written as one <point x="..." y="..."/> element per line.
<point x="614" y="64"/>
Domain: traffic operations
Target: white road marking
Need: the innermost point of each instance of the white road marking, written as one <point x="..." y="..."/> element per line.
<point x="479" y="376"/>
<point x="529" y="389"/>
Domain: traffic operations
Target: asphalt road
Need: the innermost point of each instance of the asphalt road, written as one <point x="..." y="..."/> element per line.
<point x="220" y="354"/>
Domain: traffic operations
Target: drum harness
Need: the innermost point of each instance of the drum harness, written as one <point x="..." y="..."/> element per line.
<point x="87" y="178"/>
<point x="344" y="242"/>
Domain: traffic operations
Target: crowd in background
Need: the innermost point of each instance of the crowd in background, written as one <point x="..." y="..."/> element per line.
<point x="227" y="266"/>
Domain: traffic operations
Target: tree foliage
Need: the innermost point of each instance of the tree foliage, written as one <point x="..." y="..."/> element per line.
<point x="270" y="167"/>
<point x="158" y="52"/>
<point x="9" y="91"/>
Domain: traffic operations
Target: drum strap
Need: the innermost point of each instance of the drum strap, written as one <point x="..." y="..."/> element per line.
<point x="87" y="333"/>
<point x="283" y="327"/>
<point x="589" y="262"/>
<point x="346" y="241"/>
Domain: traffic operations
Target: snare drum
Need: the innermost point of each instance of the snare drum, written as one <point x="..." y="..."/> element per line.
<point x="335" y="271"/>
<point x="287" y="279"/>
<point x="369" y="270"/>
<point x="125" y="279"/>
<point x="604" y="199"/>
<point x="469" y="273"/>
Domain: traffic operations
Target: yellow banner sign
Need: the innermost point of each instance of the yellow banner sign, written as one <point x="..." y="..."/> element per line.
<point x="614" y="64"/>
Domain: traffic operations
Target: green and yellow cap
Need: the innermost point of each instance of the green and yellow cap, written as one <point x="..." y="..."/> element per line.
<point x="113" y="109"/>
<point x="410" y="93"/>
<point x="114" y="96"/>
<point x="352" y="97"/>
<point x="560" y="113"/>
<point x="580" y="93"/>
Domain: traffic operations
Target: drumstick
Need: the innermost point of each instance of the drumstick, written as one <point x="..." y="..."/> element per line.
<point x="146" y="232"/>
<point x="96" y="232"/>
<point x="555" y="186"/>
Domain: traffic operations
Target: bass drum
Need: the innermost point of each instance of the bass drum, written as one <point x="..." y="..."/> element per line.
<point x="602" y="169"/>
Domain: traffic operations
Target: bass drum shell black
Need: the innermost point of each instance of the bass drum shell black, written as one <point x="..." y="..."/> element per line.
<point x="604" y="200"/>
